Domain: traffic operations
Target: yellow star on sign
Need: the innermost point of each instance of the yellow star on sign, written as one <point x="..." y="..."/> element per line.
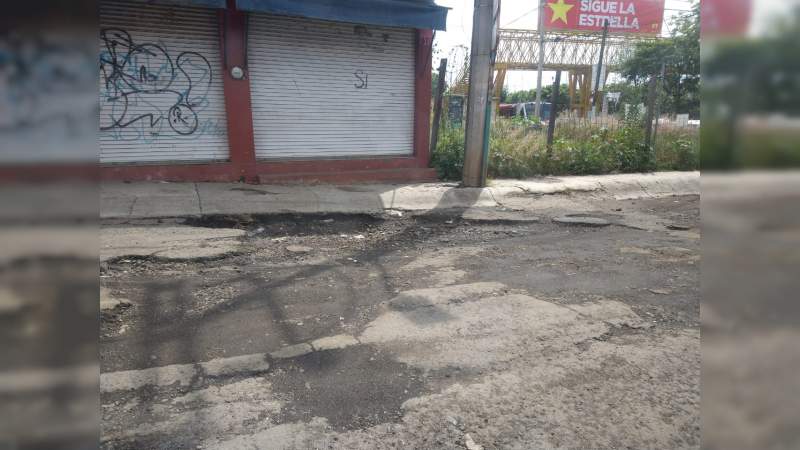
<point x="560" y="10"/>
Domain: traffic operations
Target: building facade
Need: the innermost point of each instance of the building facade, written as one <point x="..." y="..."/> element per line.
<point x="266" y="90"/>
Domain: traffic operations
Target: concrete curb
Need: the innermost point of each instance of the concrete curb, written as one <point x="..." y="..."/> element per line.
<point x="619" y="187"/>
<point x="186" y="374"/>
<point x="183" y="374"/>
<point x="123" y="201"/>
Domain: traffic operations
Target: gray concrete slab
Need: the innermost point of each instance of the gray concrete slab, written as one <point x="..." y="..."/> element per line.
<point x="334" y="342"/>
<point x="237" y="198"/>
<point x="149" y="200"/>
<point x="545" y="185"/>
<point x="437" y="196"/>
<point x="350" y="199"/>
<point x="168" y="242"/>
<point x="25" y="241"/>
<point x="159" y="199"/>
<point x="48" y="201"/>
<point x="292" y="351"/>
<point x="116" y="205"/>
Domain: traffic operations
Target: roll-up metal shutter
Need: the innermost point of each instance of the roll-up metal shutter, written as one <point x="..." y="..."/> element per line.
<point x="329" y="89"/>
<point x="161" y="90"/>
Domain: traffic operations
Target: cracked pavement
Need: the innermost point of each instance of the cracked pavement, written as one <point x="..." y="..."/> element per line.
<point x="490" y="328"/>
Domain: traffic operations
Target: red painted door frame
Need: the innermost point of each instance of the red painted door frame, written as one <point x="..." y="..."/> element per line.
<point x="233" y="33"/>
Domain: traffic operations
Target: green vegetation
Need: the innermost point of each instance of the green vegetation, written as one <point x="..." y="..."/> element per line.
<point x="751" y="100"/>
<point x="680" y="56"/>
<point x="677" y="149"/>
<point x="448" y="156"/>
<point x="517" y="149"/>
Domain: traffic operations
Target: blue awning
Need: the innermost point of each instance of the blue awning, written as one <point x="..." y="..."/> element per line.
<point x="218" y="4"/>
<point x="424" y="14"/>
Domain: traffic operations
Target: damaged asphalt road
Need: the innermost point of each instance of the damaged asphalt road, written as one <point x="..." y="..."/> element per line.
<point x="406" y="331"/>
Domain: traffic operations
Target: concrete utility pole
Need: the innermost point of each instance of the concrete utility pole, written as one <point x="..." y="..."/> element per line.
<point x="476" y="140"/>
<point x="541" y="61"/>
<point x="657" y="106"/>
<point x="651" y="104"/>
<point x="551" y="124"/>
<point x="597" y="91"/>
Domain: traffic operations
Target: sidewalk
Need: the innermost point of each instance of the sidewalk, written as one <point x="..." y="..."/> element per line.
<point x="158" y="199"/>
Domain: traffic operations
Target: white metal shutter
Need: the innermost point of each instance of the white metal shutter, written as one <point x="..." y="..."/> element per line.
<point x="161" y="93"/>
<point x="330" y="89"/>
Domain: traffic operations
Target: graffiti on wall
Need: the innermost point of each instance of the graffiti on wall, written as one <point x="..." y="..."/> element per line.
<point x="362" y="79"/>
<point x="32" y="71"/>
<point x="147" y="92"/>
<point x="48" y="110"/>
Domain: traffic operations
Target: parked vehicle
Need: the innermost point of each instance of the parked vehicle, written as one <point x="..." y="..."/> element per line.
<point x="525" y="110"/>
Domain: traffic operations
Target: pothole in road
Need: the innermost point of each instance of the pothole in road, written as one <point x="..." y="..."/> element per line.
<point x="289" y="224"/>
<point x="582" y="220"/>
<point x="352" y="388"/>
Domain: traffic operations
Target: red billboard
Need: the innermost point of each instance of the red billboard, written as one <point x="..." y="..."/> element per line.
<point x="725" y="17"/>
<point x="623" y="16"/>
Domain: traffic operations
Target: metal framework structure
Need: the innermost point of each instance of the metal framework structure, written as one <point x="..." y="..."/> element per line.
<point x="519" y="50"/>
<point x="572" y="51"/>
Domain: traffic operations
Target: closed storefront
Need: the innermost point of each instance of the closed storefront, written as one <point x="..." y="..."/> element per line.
<point x="266" y="91"/>
<point x="329" y="89"/>
<point x="161" y="87"/>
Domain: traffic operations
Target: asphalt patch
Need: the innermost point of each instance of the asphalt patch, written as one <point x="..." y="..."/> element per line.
<point x="353" y="388"/>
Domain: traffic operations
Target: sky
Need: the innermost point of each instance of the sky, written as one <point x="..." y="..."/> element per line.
<point x="523" y="14"/>
<point x="765" y="10"/>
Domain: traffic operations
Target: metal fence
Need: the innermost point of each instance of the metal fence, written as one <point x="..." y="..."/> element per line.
<point x="647" y="132"/>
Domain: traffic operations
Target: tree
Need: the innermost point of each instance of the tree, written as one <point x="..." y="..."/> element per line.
<point x="680" y="55"/>
<point x="758" y="74"/>
<point x="629" y="93"/>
